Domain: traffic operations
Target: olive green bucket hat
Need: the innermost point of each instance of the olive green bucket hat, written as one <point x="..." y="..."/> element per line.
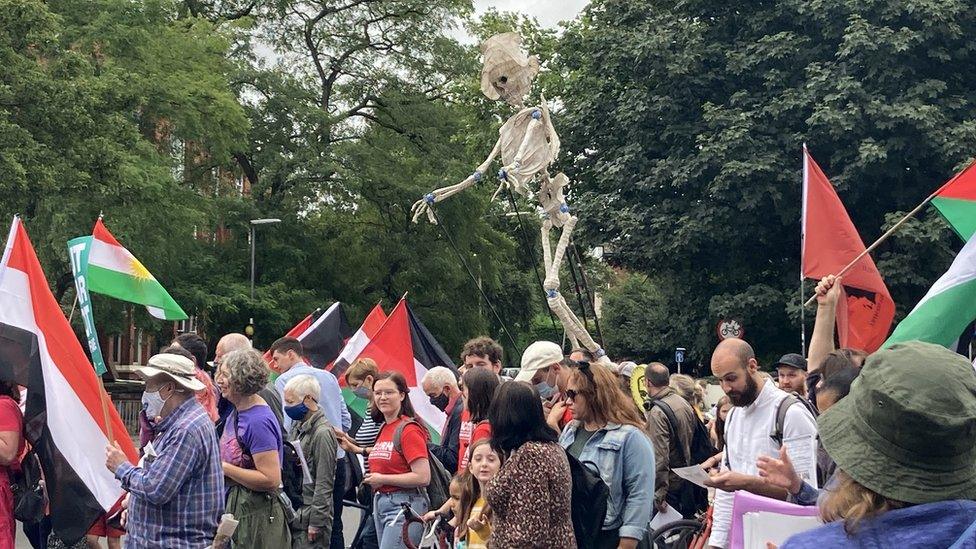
<point x="907" y="430"/>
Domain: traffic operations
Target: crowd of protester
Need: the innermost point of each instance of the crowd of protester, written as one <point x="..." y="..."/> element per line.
<point x="884" y="445"/>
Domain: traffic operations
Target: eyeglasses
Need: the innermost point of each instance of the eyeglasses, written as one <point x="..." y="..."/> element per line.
<point x="571" y="394"/>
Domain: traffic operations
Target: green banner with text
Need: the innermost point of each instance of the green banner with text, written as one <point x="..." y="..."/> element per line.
<point x="78" y="250"/>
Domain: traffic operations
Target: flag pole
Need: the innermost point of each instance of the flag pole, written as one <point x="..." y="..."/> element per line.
<point x="103" y="396"/>
<point x="880" y="239"/>
<point x="803" y="220"/>
<point x="73" y="303"/>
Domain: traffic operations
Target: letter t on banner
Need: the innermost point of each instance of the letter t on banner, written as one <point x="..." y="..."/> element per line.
<point x="78" y="250"/>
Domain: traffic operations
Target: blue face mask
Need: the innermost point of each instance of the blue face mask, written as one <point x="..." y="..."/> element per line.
<point x="545" y="390"/>
<point x="361" y="391"/>
<point x="297" y="412"/>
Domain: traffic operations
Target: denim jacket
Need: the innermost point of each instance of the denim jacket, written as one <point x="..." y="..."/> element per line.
<point x="624" y="458"/>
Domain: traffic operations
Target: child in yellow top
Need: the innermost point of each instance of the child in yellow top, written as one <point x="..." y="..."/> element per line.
<point x="475" y="518"/>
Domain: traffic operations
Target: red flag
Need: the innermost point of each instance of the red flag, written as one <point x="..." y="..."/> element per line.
<point x="391" y="346"/>
<point x="63" y="418"/>
<point x="830" y="242"/>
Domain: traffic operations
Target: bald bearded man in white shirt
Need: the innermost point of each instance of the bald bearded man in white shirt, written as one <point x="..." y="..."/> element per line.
<point x="748" y="432"/>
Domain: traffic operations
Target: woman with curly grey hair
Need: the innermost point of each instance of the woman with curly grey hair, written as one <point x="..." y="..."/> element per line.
<point x="251" y="451"/>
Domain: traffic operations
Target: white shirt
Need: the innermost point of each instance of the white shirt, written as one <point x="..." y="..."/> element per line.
<point x="747" y="437"/>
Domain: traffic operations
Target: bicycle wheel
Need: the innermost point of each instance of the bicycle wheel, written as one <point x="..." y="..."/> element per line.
<point x="676" y="535"/>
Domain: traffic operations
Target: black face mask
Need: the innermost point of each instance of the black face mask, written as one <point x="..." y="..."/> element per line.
<point x="440" y="401"/>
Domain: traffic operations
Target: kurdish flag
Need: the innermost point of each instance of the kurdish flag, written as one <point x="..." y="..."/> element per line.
<point x="949" y="306"/>
<point x="956" y="201"/>
<point x="115" y="272"/>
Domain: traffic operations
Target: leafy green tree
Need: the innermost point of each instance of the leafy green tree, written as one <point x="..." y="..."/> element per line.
<point x="95" y="99"/>
<point x="683" y="122"/>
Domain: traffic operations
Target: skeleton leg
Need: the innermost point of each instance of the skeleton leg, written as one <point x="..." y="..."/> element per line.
<point x="423" y="205"/>
<point x="574" y="328"/>
<point x="546" y="245"/>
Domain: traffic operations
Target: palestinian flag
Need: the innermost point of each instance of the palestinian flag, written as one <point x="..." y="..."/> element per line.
<point x="402" y="344"/>
<point x="947" y="309"/>
<point x="956" y="201"/>
<point x="115" y="272"/>
<point x="64" y="417"/>
<point x="355" y="345"/>
<point x="323" y="336"/>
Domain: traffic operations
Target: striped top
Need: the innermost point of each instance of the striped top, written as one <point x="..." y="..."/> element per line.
<point x="366" y="436"/>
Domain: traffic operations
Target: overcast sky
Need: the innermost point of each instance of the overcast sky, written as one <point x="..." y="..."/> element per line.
<point x="548" y="12"/>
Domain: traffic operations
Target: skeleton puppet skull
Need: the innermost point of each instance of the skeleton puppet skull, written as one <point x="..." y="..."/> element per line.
<point x="507" y="73"/>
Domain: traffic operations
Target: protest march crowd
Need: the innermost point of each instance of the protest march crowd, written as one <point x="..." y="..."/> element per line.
<point x="879" y="447"/>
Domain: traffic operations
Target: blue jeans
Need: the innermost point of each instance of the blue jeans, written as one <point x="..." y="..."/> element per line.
<point x="387" y="507"/>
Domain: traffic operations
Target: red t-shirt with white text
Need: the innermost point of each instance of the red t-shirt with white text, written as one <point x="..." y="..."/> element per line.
<point x="384" y="458"/>
<point x="470" y="433"/>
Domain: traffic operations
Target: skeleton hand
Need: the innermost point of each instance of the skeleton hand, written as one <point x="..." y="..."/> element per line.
<point x="423" y="206"/>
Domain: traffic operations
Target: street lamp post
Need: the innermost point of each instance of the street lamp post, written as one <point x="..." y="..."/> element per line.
<point x="254" y="224"/>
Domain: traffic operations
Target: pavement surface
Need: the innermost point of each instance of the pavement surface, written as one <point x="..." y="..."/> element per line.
<point x="350" y="522"/>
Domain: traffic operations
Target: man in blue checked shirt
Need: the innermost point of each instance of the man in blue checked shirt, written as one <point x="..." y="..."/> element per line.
<point x="176" y="495"/>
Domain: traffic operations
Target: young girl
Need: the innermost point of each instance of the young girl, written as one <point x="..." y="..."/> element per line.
<point x="474" y="518"/>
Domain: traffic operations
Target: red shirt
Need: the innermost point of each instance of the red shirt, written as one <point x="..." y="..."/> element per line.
<point x="384" y="458"/>
<point x="470" y="433"/>
<point x="11" y="419"/>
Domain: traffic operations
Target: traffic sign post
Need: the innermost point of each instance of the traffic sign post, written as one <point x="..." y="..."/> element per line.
<point x="679" y="357"/>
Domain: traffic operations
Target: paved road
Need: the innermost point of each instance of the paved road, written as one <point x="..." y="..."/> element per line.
<point x="350" y="521"/>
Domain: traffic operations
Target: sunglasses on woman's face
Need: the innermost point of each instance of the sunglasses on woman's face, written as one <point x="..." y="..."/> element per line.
<point x="571" y="394"/>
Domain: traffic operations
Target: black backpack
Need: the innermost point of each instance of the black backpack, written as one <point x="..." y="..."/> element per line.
<point x="589" y="502"/>
<point x="784" y="405"/>
<point x="692" y="499"/>
<point x="292" y="475"/>
<point x="438" y="490"/>
<point x="25" y="484"/>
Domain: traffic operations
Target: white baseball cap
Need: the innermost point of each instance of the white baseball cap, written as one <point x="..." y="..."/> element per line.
<point x="538" y="356"/>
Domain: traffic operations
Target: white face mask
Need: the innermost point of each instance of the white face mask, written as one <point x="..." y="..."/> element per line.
<point x="152" y="404"/>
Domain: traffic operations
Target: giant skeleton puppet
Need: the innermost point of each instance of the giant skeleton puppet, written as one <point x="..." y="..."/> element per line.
<point x="528" y="144"/>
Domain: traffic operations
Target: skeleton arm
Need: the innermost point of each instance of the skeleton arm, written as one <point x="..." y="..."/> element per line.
<point x="424" y="205"/>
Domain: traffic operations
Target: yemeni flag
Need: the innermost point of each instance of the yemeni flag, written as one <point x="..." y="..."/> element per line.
<point x="64" y="417"/>
<point x="393" y="347"/>
<point x="956" y="201"/>
<point x="829" y="243"/>
<point x="323" y="336"/>
<point x="115" y="272"/>
<point x="947" y="309"/>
